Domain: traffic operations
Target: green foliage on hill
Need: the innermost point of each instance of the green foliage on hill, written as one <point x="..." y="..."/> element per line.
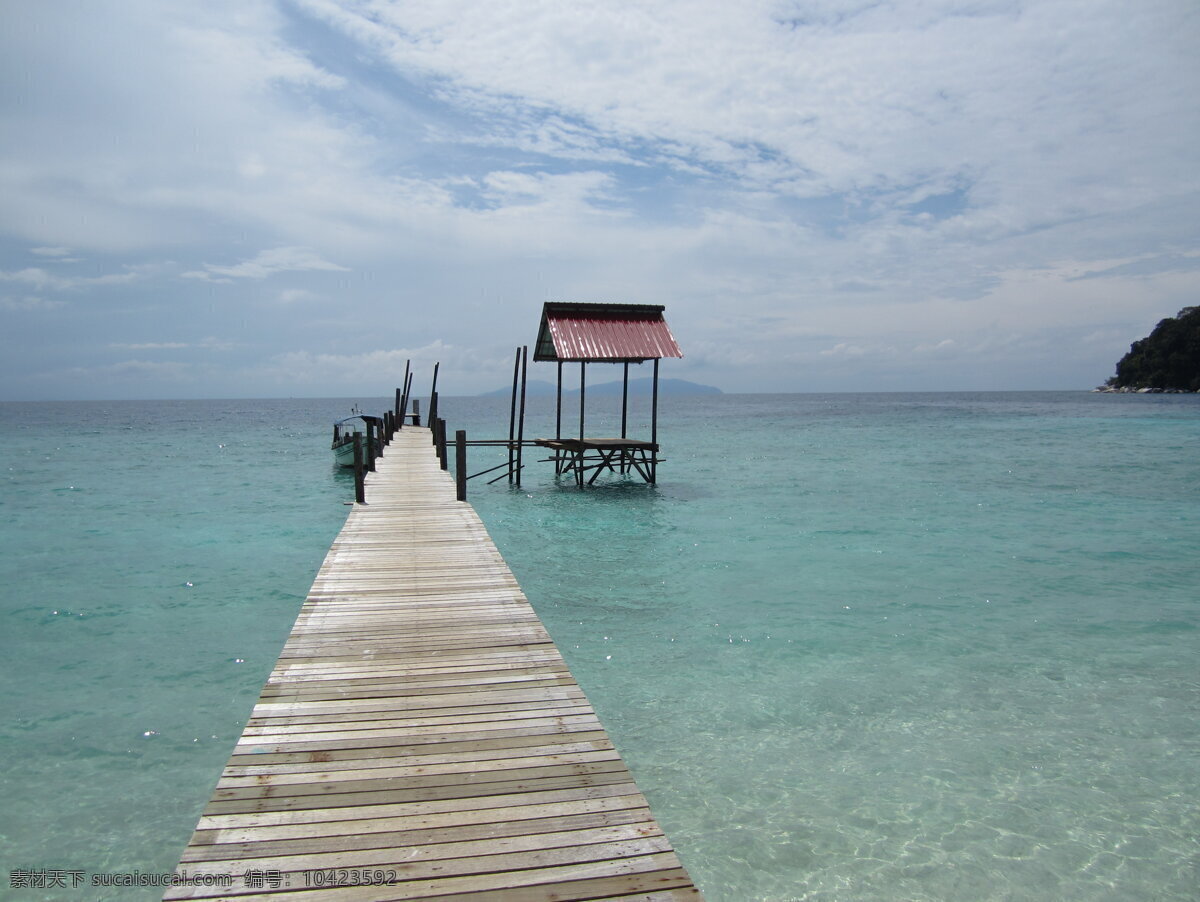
<point x="1168" y="358"/>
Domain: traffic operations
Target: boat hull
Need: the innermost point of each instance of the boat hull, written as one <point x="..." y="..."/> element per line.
<point x="343" y="454"/>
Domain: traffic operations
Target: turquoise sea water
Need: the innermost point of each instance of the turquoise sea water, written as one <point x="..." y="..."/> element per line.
<point x="854" y="647"/>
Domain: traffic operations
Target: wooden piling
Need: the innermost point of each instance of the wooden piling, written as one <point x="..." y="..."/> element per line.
<point x="654" y="428"/>
<point x="512" y="416"/>
<point x="433" y="408"/>
<point x="360" y="489"/>
<point x="402" y="394"/>
<point x="460" y="464"/>
<point x="521" y="420"/>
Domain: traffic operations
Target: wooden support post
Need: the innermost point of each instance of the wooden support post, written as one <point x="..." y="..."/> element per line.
<point x="440" y="438"/>
<point x="625" y="403"/>
<point x="582" y="394"/>
<point x="369" y="456"/>
<point x="512" y="415"/>
<point x="654" y="428"/>
<point x="558" y="424"/>
<point x="360" y="487"/>
<point x="460" y="464"/>
<point x="433" y="405"/>
<point x="625" y="413"/>
<point x="402" y="394"/>
<point x="408" y="379"/>
<point x="416" y="411"/>
<point x="521" y="421"/>
<point x="582" y="407"/>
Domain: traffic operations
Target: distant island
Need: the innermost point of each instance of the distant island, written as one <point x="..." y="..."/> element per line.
<point x="637" y="388"/>
<point x="1167" y="360"/>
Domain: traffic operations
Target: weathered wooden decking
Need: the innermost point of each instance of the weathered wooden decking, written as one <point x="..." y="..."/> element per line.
<point x="420" y="726"/>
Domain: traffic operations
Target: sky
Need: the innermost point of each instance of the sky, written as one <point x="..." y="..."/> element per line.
<point x="292" y="198"/>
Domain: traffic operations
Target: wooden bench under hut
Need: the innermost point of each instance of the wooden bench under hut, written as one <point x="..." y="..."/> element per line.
<point x="604" y="333"/>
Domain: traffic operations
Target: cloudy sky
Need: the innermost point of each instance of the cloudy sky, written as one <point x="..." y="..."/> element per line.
<point x="292" y="197"/>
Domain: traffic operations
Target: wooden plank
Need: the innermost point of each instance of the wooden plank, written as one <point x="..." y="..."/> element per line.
<point x="420" y="723"/>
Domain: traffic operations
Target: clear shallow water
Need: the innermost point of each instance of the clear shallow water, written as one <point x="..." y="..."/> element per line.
<point x="854" y="647"/>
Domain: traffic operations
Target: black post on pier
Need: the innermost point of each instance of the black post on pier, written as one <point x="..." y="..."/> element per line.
<point x="371" y="445"/>
<point x="625" y="413"/>
<point x="558" y="422"/>
<point x="582" y="434"/>
<point x="439" y="438"/>
<point x="460" y="464"/>
<point x="402" y="394"/>
<point x="654" y="429"/>
<point x="396" y="414"/>
<point x="512" y="416"/>
<point x="360" y="488"/>
<point x="521" y="421"/>
<point x="625" y="402"/>
<point x="433" y="405"/>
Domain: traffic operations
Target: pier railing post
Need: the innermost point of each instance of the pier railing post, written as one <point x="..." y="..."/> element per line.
<point x="360" y="488"/>
<point x="440" y="438"/>
<point x="416" y="411"/>
<point x="370" y="455"/>
<point x="402" y="394"/>
<point x="433" y="407"/>
<point x="521" y="421"/>
<point x="460" y="463"/>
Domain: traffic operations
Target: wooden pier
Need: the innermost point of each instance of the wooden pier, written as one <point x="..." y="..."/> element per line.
<point x="421" y="737"/>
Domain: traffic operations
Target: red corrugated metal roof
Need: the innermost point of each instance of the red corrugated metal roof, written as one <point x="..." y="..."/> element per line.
<point x="604" y="332"/>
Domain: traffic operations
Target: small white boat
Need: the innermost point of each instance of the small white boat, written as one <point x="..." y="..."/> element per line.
<point x="344" y="432"/>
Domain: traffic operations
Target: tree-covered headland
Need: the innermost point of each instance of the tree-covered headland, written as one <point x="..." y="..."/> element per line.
<point x="1168" y="359"/>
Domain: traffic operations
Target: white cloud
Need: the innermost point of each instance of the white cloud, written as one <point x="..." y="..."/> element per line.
<point x="127" y="373"/>
<point x="891" y="96"/>
<point x="148" y="345"/>
<point x="460" y="365"/>
<point x="295" y="295"/>
<point x="40" y="278"/>
<point x="943" y="346"/>
<point x="212" y="344"/>
<point x="266" y="263"/>
<point x="29" y="303"/>
<point x="844" y="349"/>
<point x="37" y="277"/>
